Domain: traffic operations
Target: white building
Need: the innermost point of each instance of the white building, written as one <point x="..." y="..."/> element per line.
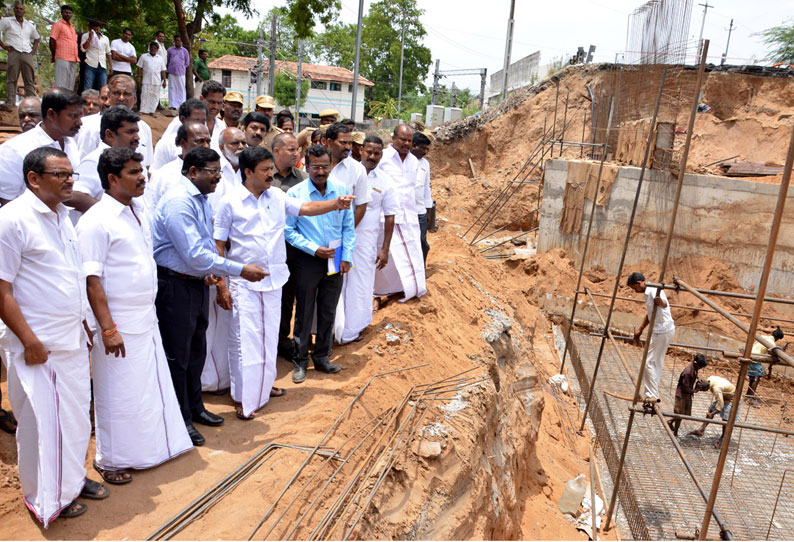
<point x="330" y="87"/>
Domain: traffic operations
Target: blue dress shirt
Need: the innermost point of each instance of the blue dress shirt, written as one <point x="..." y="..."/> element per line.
<point x="182" y="234"/>
<point x="308" y="233"/>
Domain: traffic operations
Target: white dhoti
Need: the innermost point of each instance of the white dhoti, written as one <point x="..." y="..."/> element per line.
<point x="655" y="362"/>
<point x="176" y="90"/>
<point x="405" y="271"/>
<point x="138" y="421"/>
<point x="150" y="98"/>
<point x="51" y="402"/>
<point x="360" y="281"/>
<point x="215" y="376"/>
<point x="253" y="344"/>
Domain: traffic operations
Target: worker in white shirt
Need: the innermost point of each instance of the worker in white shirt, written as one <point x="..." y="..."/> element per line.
<point x="424" y="199"/>
<point x="122" y="53"/>
<point x="18" y="33"/>
<point x="98" y="62"/>
<point x="345" y="169"/>
<point x="152" y="77"/>
<point x="43" y="302"/>
<point x="138" y="421"/>
<point x="166" y="150"/>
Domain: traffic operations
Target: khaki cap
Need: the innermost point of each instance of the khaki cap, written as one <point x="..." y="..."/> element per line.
<point x="358" y="137"/>
<point x="265" y="102"/>
<point x="234" y="96"/>
<point x="329" y="113"/>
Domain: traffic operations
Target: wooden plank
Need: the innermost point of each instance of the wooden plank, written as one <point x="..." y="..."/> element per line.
<point x="750" y="169"/>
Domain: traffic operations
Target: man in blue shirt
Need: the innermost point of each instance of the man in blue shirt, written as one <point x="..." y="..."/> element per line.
<point x="315" y="238"/>
<point x="187" y="264"/>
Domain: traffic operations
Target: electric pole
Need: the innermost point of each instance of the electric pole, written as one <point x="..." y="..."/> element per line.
<point x="358" y="58"/>
<point x="508" y="48"/>
<point x="259" y="62"/>
<point x="453" y="95"/>
<point x="706" y="7"/>
<point x="725" y="55"/>
<point x="483" y="73"/>
<point x="402" y="54"/>
<point x="271" y="63"/>
<point x="436" y="77"/>
<point x="298" y="88"/>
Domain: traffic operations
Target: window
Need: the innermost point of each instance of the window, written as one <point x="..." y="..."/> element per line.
<point x="350" y="87"/>
<point x="226" y="78"/>
<point x="336" y="86"/>
<point x="319" y="85"/>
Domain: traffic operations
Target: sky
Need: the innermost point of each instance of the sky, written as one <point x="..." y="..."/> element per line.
<point x="469" y="34"/>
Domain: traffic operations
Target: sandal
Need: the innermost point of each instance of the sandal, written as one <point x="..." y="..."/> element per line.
<point x="73" y="510"/>
<point x="238" y="410"/>
<point x="7" y="422"/>
<point x="94" y="490"/>
<point x="108" y="475"/>
<point x="277" y="392"/>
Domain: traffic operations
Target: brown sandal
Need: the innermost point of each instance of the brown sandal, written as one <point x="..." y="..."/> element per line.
<point x="73" y="510"/>
<point x="107" y="475"/>
<point x="238" y="410"/>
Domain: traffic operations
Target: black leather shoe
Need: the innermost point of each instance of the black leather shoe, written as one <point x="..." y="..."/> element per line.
<point x="298" y="375"/>
<point x="195" y="436"/>
<point x="327" y="367"/>
<point x="208" y="418"/>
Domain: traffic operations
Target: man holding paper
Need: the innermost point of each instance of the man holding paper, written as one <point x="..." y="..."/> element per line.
<point x="325" y="249"/>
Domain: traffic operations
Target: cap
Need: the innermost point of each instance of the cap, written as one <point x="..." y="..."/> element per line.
<point x="323" y="128"/>
<point x="358" y="137"/>
<point x="329" y="113"/>
<point x="635" y="277"/>
<point x="234" y="96"/>
<point x="265" y="102"/>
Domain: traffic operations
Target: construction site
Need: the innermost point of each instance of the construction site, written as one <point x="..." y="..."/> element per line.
<point x="450" y="419"/>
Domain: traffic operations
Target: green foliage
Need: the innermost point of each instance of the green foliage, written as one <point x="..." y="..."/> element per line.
<point x="780" y="39"/>
<point x="225" y="37"/>
<point x="386" y="109"/>
<point x="303" y="15"/>
<point x="555" y="66"/>
<point x="284" y="87"/>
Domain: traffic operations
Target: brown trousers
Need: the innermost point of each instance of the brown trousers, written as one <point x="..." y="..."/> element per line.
<point x="20" y="63"/>
<point x="682" y="406"/>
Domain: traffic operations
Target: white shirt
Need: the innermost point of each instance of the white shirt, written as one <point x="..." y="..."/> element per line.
<point x="384" y="201"/>
<point x="353" y="175"/>
<point x="229" y="180"/>
<point x="14" y="151"/>
<point x="424" y="200"/>
<point x="18" y="36"/>
<point x="219" y="127"/>
<point x="95" y="56"/>
<point x="162" y="52"/>
<point x="152" y="66"/>
<point x="117" y="247"/>
<point x="125" y="49"/>
<point x="160" y="182"/>
<point x="403" y="172"/>
<point x="89" y="182"/>
<point x="88" y="138"/>
<point x="255" y="231"/>
<point x="664" y="319"/>
<point x="41" y="260"/>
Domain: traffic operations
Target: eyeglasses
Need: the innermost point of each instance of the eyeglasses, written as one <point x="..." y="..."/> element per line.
<point x="62" y="175"/>
<point x="320" y="168"/>
<point x="212" y="170"/>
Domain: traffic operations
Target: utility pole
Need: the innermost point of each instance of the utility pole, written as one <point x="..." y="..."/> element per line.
<point x="271" y="63"/>
<point x="436" y="77"/>
<point x="483" y="73"/>
<point x="508" y="48"/>
<point x="259" y="61"/>
<point x="298" y="88"/>
<point x="358" y="58"/>
<point x="402" y="55"/>
<point x="706" y="7"/>
<point x="725" y="55"/>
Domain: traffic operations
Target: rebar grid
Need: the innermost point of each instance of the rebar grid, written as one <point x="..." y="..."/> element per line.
<point x="655" y="492"/>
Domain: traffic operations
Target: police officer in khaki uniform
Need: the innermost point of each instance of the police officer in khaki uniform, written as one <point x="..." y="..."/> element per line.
<point x="327" y="117"/>
<point x="266" y="105"/>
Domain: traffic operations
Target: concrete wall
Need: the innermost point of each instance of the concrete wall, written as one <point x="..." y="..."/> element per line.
<point x="518" y="75"/>
<point x="727" y="219"/>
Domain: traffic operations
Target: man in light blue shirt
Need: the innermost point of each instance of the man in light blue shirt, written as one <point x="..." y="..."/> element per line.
<point x="187" y="264"/>
<point x="318" y="281"/>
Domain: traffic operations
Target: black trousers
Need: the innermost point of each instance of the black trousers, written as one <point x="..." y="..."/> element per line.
<point x="314" y="287"/>
<point x="183" y="311"/>
<point x="285" y="344"/>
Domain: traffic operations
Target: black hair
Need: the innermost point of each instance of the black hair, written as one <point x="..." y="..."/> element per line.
<point x="36" y="160"/>
<point x="284" y="114"/>
<point x="420" y="139"/>
<point x="317" y="151"/>
<point x="348" y="122"/>
<point x="700" y="360"/>
<point x="112" y="160"/>
<point x="777" y="334"/>
<point x="199" y="158"/>
<point x="127" y="28"/>
<point x="59" y="99"/>
<point x="113" y="117"/>
<point x="64" y="6"/>
<point x="191" y="105"/>
<point x="210" y="86"/>
<point x="159" y="32"/>
<point x="316" y="134"/>
<point x="154" y="43"/>
<point x="251" y="157"/>
<point x="93" y="22"/>
<point x="202" y="51"/>
<point x="181" y="133"/>
<point x="635" y="278"/>
<point x="177" y="36"/>
<point x="256" y="116"/>
<point x="702" y="385"/>
<point x="373" y="139"/>
<point x="333" y="131"/>
<point x="281" y="119"/>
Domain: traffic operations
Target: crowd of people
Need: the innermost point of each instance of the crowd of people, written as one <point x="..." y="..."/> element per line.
<point x="140" y="274"/>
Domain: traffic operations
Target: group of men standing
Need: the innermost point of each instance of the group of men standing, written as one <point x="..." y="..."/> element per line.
<point x="176" y="275"/>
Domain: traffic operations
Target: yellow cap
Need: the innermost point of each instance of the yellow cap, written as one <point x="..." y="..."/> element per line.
<point x="358" y="137"/>
<point x="329" y="113"/>
<point x="265" y="102"/>
<point x="323" y="128"/>
<point x="234" y="96"/>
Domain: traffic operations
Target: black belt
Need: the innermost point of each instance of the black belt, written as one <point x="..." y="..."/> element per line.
<point x="172" y="273"/>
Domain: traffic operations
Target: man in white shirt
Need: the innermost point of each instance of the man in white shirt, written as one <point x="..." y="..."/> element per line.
<point x="122" y="53"/>
<point x="212" y="93"/>
<point x="61" y="112"/>
<point x="43" y="303"/>
<point x="251" y="220"/>
<point x="98" y="65"/>
<point x="346" y="170"/>
<point x="151" y="77"/>
<point x="138" y="421"/>
<point x="121" y="91"/>
<point x="661" y="335"/>
<point x="17" y="35"/>
<point x="372" y="245"/>
<point x="192" y="110"/>
<point x="162" y="51"/>
<point x="424" y="199"/>
<point x="405" y="272"/>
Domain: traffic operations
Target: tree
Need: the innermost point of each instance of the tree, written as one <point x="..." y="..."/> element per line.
<point x="284" y="87"/>
<point x="225" y="37"/>
<point x="302" y="15"/>
<point x="781" y="41"/>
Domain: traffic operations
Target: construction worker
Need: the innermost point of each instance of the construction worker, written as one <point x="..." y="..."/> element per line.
<point x="723" y="392"/>
<point x="755" y="370"/>
<point x="685" y="390"/>
<point x="266" y="105"/>
<point x="327" y="116"/>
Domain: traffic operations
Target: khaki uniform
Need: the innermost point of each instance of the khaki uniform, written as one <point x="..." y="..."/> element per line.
<point x="267" y="142"/>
